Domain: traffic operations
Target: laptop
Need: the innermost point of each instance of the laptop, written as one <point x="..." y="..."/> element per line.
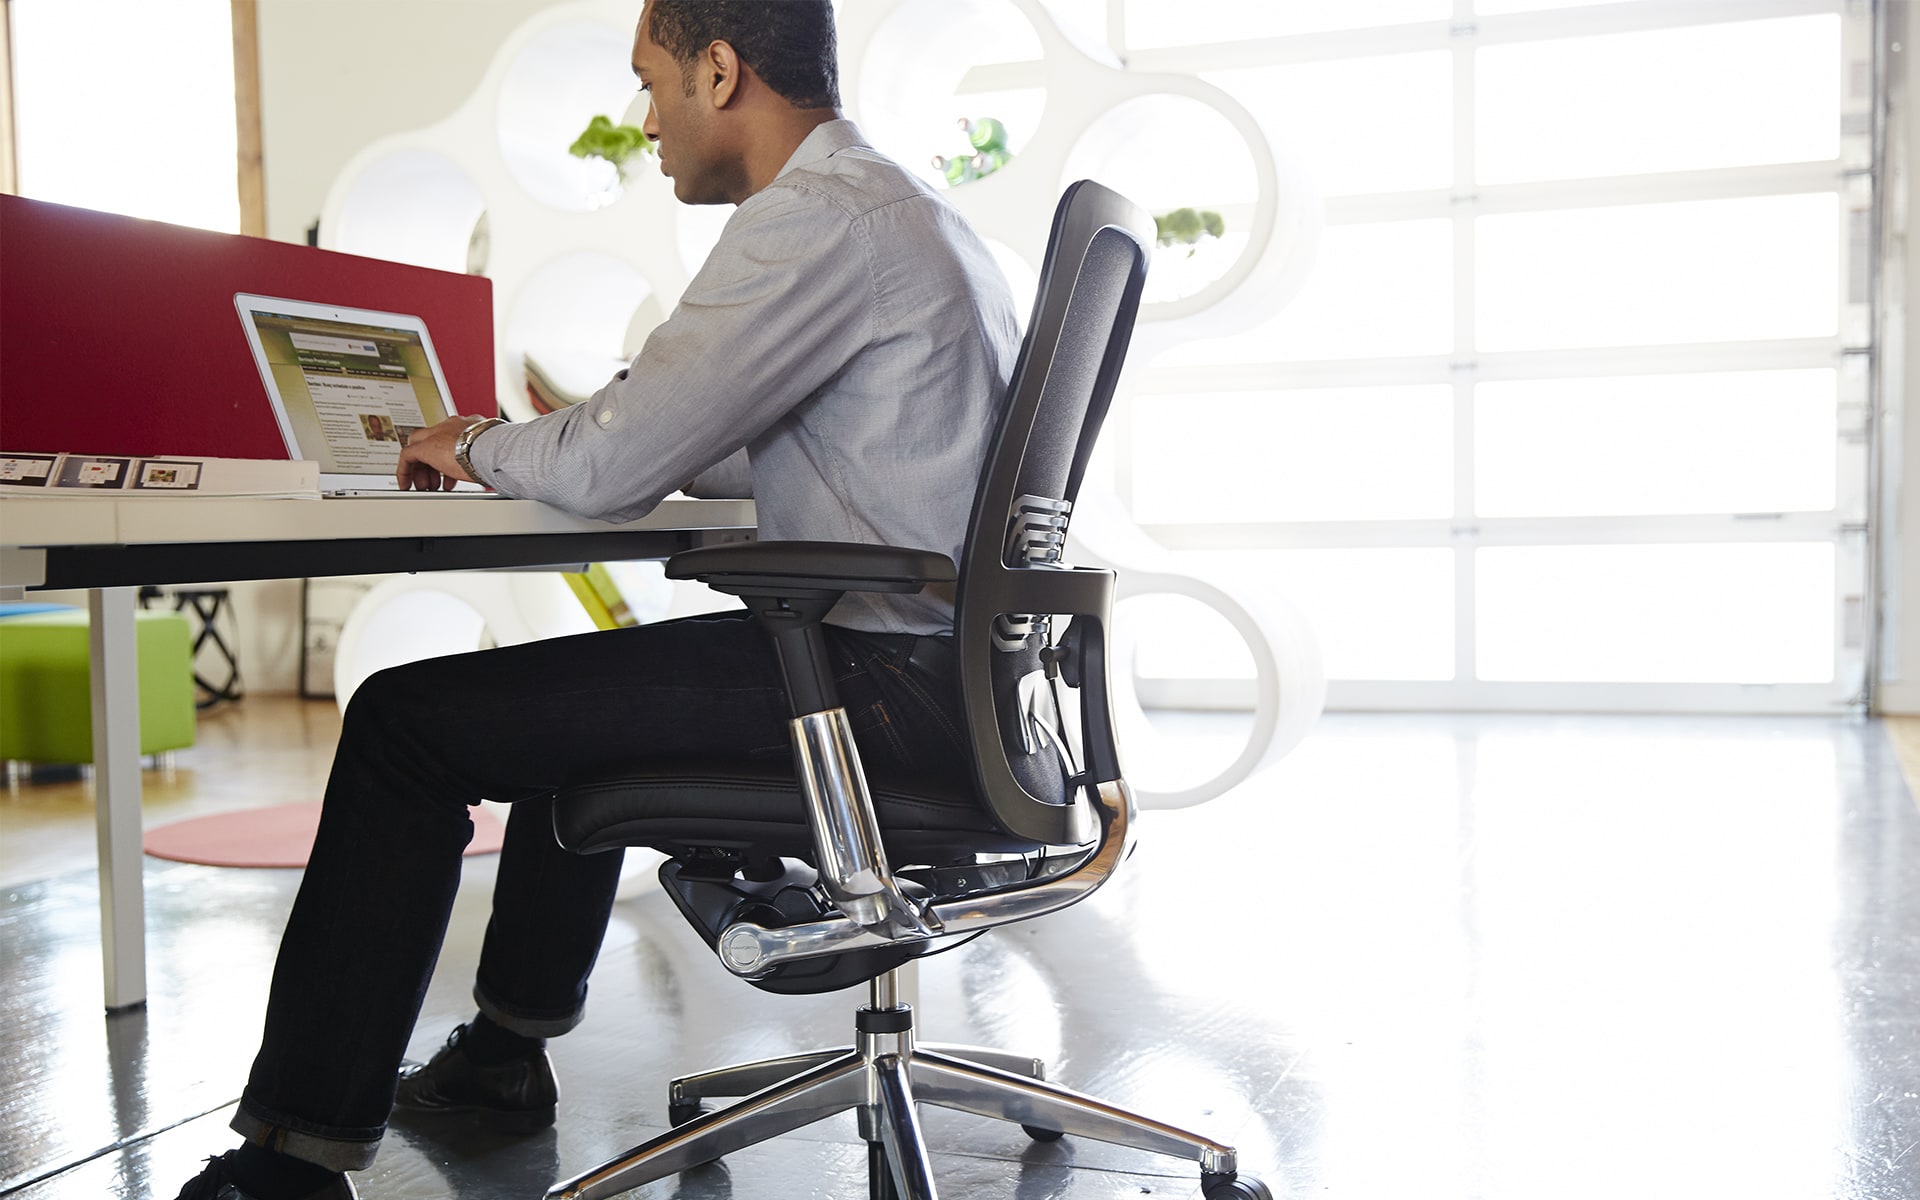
<point x="347" y="386"/>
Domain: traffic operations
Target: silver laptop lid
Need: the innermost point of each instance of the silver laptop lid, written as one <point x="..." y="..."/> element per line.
<point x="347" y="385"/>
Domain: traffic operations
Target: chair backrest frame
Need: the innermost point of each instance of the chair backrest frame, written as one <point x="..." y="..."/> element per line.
<point x="1062" y="385"/>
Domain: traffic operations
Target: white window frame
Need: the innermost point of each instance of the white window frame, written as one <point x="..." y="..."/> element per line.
<point x="1851" y="176"/>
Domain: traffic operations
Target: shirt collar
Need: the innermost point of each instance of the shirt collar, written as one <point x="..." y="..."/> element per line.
<point x="826" y="140"/>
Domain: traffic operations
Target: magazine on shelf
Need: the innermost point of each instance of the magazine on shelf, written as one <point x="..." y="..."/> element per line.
<point x="124" y="476"/>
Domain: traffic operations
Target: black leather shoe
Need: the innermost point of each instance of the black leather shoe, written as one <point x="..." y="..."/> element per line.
<point x="216" y="1183"/>
<point x="516" y="1096"/>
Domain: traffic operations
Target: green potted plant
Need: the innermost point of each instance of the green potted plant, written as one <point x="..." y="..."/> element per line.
<point x="614" y="143"/>
<point x="1187" y="227"/>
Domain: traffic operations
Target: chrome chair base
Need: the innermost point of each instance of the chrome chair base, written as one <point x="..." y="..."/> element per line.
<point x="885" y="1077"/>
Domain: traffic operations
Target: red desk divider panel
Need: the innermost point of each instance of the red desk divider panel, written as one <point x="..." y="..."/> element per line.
<point x="119" y="336"/>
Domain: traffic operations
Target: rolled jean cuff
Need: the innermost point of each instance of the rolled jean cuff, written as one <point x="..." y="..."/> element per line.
<point x="334" y="1149"/>
<point x="526" y="1024"/>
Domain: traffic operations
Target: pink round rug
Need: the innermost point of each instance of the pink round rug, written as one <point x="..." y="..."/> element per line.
<point x="279" y="836"/>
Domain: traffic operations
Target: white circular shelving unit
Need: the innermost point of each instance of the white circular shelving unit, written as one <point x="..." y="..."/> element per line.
<point x="567" y="68"/>
<point x="550" y="218"/>
<point x="411" y="205"/>
<point x="584" y="266"/>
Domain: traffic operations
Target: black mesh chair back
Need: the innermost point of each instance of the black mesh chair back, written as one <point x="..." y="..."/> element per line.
<point x="1013" y="582"/>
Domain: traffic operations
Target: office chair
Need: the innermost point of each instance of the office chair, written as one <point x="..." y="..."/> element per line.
<point x="806" y="878"/>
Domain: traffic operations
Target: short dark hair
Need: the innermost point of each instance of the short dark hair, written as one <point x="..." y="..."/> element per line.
<point x="789" y="43"/>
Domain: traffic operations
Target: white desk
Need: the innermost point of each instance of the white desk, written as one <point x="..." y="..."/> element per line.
<point x="113" y="546"/>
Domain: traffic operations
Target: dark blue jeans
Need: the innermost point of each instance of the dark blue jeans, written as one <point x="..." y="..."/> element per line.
<point x="422" y="743"/>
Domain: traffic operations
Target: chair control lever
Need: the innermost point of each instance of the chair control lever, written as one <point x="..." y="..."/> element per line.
<point x="748" y="949"/>
<point x="846" y="835"/>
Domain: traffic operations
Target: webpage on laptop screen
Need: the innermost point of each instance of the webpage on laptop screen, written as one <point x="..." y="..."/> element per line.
<point x="352" y="392"/>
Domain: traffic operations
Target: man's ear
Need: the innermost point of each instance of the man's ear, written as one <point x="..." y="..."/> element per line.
<point x="720" y="68"/>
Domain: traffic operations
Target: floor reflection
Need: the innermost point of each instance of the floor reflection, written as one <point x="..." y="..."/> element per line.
<point x="1491" y="958"/>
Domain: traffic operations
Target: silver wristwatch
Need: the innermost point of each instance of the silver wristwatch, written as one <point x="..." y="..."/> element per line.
<point x="463" y="446"/>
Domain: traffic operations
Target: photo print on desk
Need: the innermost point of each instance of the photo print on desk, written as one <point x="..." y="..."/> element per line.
<point x="27" y="470"/>
<point x="166" y="474"/>
<point x="95" y="473"/>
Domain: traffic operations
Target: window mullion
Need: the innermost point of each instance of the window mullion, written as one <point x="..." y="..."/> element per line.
<point x="1464" y="337"/>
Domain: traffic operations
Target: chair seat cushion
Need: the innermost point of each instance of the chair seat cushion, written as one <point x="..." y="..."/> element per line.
<point x="676" y="806"/>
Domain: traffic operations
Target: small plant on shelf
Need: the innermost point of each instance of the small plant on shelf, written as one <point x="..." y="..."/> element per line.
<point x="987" y="141"/>
<point x="615" y="143"/>
<point x="1187" y="226"/>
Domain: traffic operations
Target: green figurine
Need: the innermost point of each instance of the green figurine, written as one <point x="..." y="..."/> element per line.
<point x="988" y="139"/>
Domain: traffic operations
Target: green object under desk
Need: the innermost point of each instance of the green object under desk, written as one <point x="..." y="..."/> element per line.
<point x="45" y="693"/>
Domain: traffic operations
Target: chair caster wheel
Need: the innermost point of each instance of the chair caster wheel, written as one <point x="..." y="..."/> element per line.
<point x="1233" y="1187"/>
<point x="680" y="1114"/>
<point x="1040" y="1134"/>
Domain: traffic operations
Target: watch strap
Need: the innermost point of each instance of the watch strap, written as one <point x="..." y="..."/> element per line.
<point x="463" y="445"/>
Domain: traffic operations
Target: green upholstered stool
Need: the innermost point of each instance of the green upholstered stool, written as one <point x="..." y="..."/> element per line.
<point x="45" y="696"/>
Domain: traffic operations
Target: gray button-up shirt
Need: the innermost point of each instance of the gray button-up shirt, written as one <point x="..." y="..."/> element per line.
<point x="849" y="332"/>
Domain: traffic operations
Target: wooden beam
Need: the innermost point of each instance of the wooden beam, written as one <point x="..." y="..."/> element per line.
<point x="9" y="154"/>
<point x="246" y="112"/>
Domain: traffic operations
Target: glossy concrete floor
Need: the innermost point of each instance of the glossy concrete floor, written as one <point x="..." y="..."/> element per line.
<point x="1498" y="958"/>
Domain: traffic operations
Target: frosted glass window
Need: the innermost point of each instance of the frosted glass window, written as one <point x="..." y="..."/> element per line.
<point x="1719" y="613"/>
<point x="1189" y="22"/>
<point x="1357" y="125"/>
<point x="1377" y="614"/>
<point x="1377" y="290"/>
<point x="155" y="81"/>
<point x="1485" y="7"/>
<point x="1703" y="96"/>
<point x="1319" y="454"/>
<point x="1656" y="274"/>
<point x="1748" y="441"/>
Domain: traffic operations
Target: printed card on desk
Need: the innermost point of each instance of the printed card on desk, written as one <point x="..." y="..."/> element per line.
<point x="27" y="470"/>
<point x="117" y="475"/>
<point x="92" y="472"/>
<point x="167" y="474"/>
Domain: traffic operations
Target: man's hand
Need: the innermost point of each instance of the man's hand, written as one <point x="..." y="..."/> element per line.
<point x="426" y="461"/>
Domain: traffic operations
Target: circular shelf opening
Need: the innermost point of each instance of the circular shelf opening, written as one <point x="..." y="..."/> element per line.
<point x="560" y="80"/>
<point x="573" y="324"/>
<point x="412" y="206"/>
<point x="936" y="63"/>
<point x="1169" y="152"/>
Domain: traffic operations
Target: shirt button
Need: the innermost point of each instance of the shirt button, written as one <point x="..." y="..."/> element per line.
<point x="606" y="417"/>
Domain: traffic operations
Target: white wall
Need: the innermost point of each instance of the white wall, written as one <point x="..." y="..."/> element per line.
<point x="337" y="74"/>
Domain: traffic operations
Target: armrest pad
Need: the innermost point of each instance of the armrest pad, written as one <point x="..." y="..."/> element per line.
<point x="838" y="566"/>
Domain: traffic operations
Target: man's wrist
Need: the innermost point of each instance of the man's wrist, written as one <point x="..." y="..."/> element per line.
<point x="463" y="445"/>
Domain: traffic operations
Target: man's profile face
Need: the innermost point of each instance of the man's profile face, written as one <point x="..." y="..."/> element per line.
<point x="679" y="124"/>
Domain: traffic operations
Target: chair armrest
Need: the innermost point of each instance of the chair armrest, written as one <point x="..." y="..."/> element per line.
<point x="812" y="566"/>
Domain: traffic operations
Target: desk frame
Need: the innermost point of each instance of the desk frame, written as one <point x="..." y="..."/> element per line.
<point x="111" y="547"/>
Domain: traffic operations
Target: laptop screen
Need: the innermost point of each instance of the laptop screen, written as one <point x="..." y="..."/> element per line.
<point x="348" y="385"/>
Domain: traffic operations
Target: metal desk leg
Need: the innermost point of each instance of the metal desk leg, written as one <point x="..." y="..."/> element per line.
<point x="114" y="675"/>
